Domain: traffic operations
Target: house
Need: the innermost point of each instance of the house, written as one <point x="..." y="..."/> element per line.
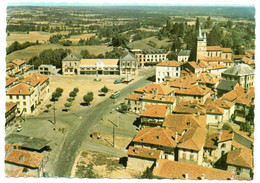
<point x="214" y="115"/>
<point x="138" y="102"/>
<point x="70" y="64"/>
<point x="16" y="67"/>
<point x="190" y="108"/>
<point x="167" y="69"/>
<point x="179" y="170"/>
<point x="240" y="161"/>
<point x="30" y="162"/>
<point x="225" y="86"/>
<point x="183" y="56"/>
<point x="9" y="82"/>
<point x="47" y="69"/>
<point x="25" y="97"/>
<point x="209" y="80"/>
<point x="128" y="65"/>
<point x="217" y="68"/>
<point x="10" y="112"/>
<point x="248" y="61"/>
<point x="43" y="85"/>
<point x="151" y="143"/>
<point x="150" y="57"/>
<point x="243" y="74"/>
<point x="193" y="93"/>
<point x="154" y="115"/>
<point x="229" y="63"/>
<point x="157" y="89"/>
<point x="196" y="67"/>
<point x="229" y="108"/>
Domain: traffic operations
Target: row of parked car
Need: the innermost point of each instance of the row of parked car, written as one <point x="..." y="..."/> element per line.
<point x="124" y="80"/>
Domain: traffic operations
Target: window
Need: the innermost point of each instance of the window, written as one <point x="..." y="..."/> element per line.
<point x="177" y="74"/>
<point x="24" y="103"/>
<point x="11" y="97"/>
<point x="17" y="96"/>
<point x="216" y="117"/>
<point x="23" y="97"/>
<point x="223" y="145"/>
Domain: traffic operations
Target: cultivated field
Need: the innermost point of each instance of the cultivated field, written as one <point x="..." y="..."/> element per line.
<point x="76" y="38"/>
<point x="144" y="44"/>
<point x="28" y="53"/>
<point x="22" y="37"/>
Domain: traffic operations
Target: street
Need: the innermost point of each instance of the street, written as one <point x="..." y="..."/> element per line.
<point x="67" y="154"/>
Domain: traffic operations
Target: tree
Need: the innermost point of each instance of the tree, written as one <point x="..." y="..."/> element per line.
<point x="246" y="127"/>
<point x="88" y="98"/>
<point x="215" y="36"/>
<point x="147" y="174"/>
<point x="76" y="90"/>
<point x="104" y="89"/>
<point x="208" y="23"/>
<point x="70" y="99"/>
<point x="59" y="90"/>
<point x="229" y="24"/>
<point x="67" y="105"/>
<point x="72" y="94"/>
<point x="85" y="54"/>
<point x="54" y="96"/>
<point x="197" y="24"/>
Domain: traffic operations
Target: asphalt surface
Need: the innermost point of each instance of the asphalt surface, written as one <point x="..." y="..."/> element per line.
<point x="70" y="148"/>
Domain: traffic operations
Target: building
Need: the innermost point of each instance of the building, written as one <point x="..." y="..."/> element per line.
<point x="225" y="86"/>
<point x="158" y="142"/>
<point x="178" y="170"/>
<point x="128" y="65"/>
<point x="193" y="93"/>
<point x="209" y="80"/>
<point x="183" y="56"/>
<point x="10" y="112"/>
<point x="156" y="89"/>
<point x="150" y="57"/>
<point x="30" y="163"/>
<point x="201" y="46"/>
<point x="9" y="82"/>
<point x="167" y="69"/>
<point x="217" y="69"/>
<point x="154" y="115"/>
<point x="240" y="161"/>
<point x="99" y="67"/>
<point x="16" y="67"/>
<point x="242" y="74"/>
<point x="25" y="97"/>
<point x="70" y="64"/>
<point x="43" y="84"/>
<point x="47" y="69"/>
<point x="196" y="67"/>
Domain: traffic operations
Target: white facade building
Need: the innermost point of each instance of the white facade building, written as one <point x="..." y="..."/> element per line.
<point x="171" y="69"/>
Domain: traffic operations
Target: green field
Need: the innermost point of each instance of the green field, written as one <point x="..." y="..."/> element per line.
<point x="28" y="53"/>
<point x="144" y="44"/>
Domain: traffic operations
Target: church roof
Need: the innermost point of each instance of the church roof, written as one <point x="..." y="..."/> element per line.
<point x="240" y="70"/>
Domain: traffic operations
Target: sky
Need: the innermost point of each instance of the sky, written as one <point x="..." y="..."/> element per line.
<point x="132" y="2"/>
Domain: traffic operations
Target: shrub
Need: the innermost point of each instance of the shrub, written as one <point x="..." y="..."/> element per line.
<point x="104" y="89"/>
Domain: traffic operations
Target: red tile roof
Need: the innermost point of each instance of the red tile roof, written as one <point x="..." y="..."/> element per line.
<point x="238" y="57"/>
<point x="214" y="48"/>
<point x="227" y="50"/>
<point x="248" y="61"/>
<point x="189" y="109"/>
<point x="242" y="157"/>
<point x="134" y="96"/>
<point x="20" y="89"/>
<point x="156" y="136"/>
<point x="169" y="64"/>
<point x="193" y="90"/>
<point x="216" y="66"/>
<point x="18" y="173"/>
<point x="18" y="62"/>
<point x="228" y="61"/>
<point x="213" y="109"/>
<point x="177" y="170"/>
<point x="30" y="81"/>
<point x="159" y="98"/>
<point x="40" y="77"/>
<point x="9" y="80"/>
<point x="153" y="87"/>
<point x="155" y="111"/>
<point x="9" y="106"/>
<point x="226" y="135"/>
<point x="146" y="153"/>
<point x="211" y="141"/>
<point x="208" y="78"/>
<point x="25" y="158"/>
<point x="193" y="139"/>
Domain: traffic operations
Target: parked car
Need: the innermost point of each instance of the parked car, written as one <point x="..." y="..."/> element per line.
<point x="117" y="81"/>
<point x="115" y="95"/>
<point x="19" y="128"/>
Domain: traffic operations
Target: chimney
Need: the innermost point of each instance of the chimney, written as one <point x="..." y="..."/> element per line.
<point x="20" y="91"/>
<point x="136" y="151"/>
<point x="186" y="176"/>
<point x="151" y="153"/>
<point x="146" y="89"/>
<point x="157" y="163"/>
<point x="38" y="77"/>
<point x="156" y="91"/>
<point x="202" y="176"/>
<point x="21" y="158"/>
<point x="158" y="137"/>
<point x="176" y="136"/>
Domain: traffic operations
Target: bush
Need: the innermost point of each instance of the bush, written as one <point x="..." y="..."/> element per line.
<point x="59" y="90"/>
<point x="88" y="98"/>
<point x="73" y="94"/>
<point x="67" y="105"/>
<point x="76" y="90"/>
<point x="104" y="89"/>
<point x="70" y="99"/>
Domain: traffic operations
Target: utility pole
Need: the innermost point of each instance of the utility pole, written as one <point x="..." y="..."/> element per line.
<point x="114" y="130"/>
<point x="54" y="116"/>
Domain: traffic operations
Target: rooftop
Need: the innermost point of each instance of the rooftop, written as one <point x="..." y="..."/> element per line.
<point x="128" y="57"/>
<point x="239" y="70"/>
<point x="154" y="111"/>
<point x="18" y="62"/>
<point x="9" y="80"/>
<point x="9" y="106"/>
<point x="20" y="89"/>
<point x="169" y="63"/>
<point x="24" y="158"/>
<point x="72" y="57"/>
<point x="177" y="170"/>
<point x="156" y="136"/>
<point x="99" y="61"/>
<point x="154" y="88"/>
<point x="226" y="85"/>
<point x="27" y="141"/>
<point x="193" y="90"/>
<point x="184" y="53"/>
<point x="242" y="157"/>
<point x="214" y="48"/>
<point x="144" y="153"/>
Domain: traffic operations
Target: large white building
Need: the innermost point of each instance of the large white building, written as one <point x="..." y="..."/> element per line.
<point x="167" y="69"/>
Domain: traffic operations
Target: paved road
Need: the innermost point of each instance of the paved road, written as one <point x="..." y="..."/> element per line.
<point x="69" y="150"/>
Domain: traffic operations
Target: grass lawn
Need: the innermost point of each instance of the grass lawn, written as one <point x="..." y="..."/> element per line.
<point x="142" y="44"/>
<point x="28" y="53"/>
